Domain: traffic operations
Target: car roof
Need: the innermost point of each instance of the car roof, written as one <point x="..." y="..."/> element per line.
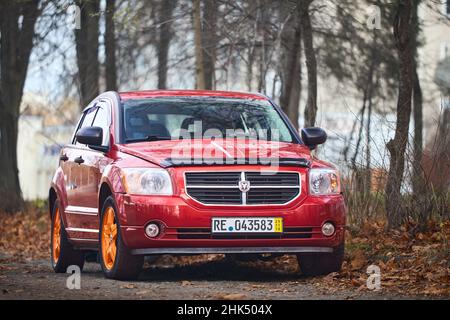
<point x="189" y="93"/>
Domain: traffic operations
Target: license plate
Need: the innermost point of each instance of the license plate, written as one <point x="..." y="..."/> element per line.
<point x="247" y="225"/>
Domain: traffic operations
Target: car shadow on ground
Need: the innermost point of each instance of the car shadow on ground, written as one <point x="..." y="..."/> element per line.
<point x="220" y="270"/>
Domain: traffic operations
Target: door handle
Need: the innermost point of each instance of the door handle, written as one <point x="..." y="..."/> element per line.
<point x="64" y="158"/>
<point x="79" y="160"/>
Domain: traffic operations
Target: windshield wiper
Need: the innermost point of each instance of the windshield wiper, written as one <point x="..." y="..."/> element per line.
<point x="149" y="138"/>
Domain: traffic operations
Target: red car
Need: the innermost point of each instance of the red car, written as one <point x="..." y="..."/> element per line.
<point x="192" y="172"/>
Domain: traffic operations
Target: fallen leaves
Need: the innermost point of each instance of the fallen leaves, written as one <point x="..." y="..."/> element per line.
<point x="25" y="235"/>
<point x="356" y="282"/>
<point x="409" y="263"/>
<point x="359" y="260"/>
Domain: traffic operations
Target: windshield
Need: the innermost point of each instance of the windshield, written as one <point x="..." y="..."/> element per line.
<point x="180" y="118"/>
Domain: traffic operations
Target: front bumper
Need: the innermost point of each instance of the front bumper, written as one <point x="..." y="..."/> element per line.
<point x="302" y="222"/>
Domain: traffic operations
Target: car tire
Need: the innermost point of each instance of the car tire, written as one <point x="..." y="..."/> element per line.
<point x="62" y="253"/>
<point x="315" y="264"/>
<point x="115" y="258"/>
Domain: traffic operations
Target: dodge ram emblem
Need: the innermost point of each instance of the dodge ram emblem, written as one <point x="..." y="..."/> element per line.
<point x="244" y="186"/>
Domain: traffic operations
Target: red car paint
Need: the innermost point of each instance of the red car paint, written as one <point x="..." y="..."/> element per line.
<point x="80" y="189"/>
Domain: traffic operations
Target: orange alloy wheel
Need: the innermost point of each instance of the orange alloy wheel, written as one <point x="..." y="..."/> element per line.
<point x="56" y="243"/>
<point x="109" y="238"/>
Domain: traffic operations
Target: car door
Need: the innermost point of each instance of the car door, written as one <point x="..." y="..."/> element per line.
<point x="81" y="215"/>
<point x="95" y="161"/>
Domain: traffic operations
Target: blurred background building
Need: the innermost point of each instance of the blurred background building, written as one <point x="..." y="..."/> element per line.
<point x="43" y="129"/>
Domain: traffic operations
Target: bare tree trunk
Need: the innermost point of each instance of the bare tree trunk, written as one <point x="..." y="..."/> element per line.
<point x="210" y="42"/>
<point x="418" y="178"/>
<point x="86" y="41"/>
<point x="291" y="69"/>
<point x="262" y="21"/>
<point x="418" y="181"/>
<point x="16" y="44"/>
<point x="249" y="75"/>
<point x="199" y="63"/>
<point x="311" y="64"/>
<point x="403" y="34"/>
<point x="110" y="47"/>
<point x="274" y="84"/>
<point x="165" y="37"/>
<point x="368" y="173"/>
<point x="372" y="83"/>
<point x="441" y="153"/>
<point x="251" y="49"/>
<point x="360" y="131"/>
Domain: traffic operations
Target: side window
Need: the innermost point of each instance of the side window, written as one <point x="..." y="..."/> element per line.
<point x="88" y="118"/>
<point x="102" y="120"/>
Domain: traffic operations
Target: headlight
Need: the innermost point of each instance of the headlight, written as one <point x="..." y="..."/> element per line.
<point x="147" y="181"/>
<point x="324" y="181"/>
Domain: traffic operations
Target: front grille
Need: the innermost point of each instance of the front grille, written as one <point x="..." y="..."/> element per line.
<point x="205" y="233"/>
<point x="217" y="188"/>
<point x="271" y="195"/>
<point x="212" y="178"/>
<point x="214" y="196"/>
<point x="280" y="178"/>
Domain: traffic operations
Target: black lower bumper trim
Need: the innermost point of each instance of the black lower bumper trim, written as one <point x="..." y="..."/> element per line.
<point x="149" y="251"/>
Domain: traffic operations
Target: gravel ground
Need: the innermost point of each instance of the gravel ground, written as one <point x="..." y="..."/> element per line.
<point x="219" y="279"/>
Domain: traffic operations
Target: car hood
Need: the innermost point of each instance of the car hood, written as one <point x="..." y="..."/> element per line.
<point x="169" y="153"/>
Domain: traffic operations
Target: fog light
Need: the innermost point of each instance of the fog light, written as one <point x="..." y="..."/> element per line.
<point x="328" y="229"/>
<point x="152" y="230"/>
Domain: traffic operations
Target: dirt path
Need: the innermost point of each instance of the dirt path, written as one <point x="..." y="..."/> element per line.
<point x="219" y="279"/>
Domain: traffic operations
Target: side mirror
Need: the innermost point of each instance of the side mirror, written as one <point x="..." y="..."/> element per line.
<point x="313" y="136"/>
<point x="92" y="136"/>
